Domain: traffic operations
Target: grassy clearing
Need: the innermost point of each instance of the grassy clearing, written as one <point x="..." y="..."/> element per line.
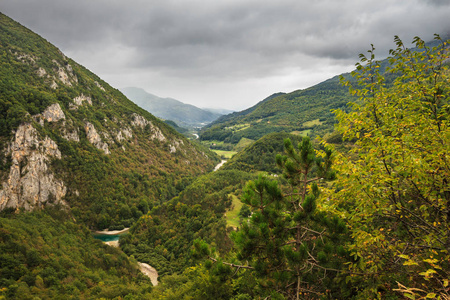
<point x="224" y="154"/>
<point x="306" y="132"/>
<point x="312" y="123"/>
<point x="232" y="215"/>
<point x="238" y="127"/>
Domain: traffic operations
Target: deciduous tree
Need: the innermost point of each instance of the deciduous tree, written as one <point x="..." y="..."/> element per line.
<point x="394" y="185"/>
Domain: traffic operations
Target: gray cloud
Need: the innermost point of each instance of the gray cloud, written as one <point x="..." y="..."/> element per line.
<point x="225" y="53"/>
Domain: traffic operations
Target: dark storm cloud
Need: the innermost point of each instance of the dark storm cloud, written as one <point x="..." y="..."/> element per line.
<point x="185" y="48"/>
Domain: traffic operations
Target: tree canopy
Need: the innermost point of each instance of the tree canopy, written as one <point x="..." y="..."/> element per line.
<point x="394" y="184"/>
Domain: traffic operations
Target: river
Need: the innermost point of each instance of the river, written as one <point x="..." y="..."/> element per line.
<point x="219" y="165"/>
<point x="111" y="238"/>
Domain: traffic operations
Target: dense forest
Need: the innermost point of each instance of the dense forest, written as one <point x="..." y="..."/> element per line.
<point x="359" y="213"/>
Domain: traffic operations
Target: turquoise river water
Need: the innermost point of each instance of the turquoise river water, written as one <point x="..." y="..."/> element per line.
<point x="107" y="237"/>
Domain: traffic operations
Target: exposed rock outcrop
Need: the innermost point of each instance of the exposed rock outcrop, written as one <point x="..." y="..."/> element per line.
<point x="25" y="58"/>
<point x="41" y="72"/>
<point x="53" y="113"/>
<point x="77" y="101"/>
<point x="70" y="135"/>
<point x="30" y="183"/>
<point x="65" y="74"/>
<point x="140" y="121"/>
<point x="99" y="86"/>
<point x="95" y="139"/>
<point x="69" y="132"/>
<point x="175" y="146"/>
<point x="124" y="134"/>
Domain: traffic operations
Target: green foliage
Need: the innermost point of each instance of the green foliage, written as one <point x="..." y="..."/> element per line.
<point x="164" y="237"/>
<point x="45" y="255"/>
<point x="260" y="155"/>
<point x="198" y="282"/>
<point x="290" y="243"/>
<point x="394" y="185"/>
<point x="306" y="110"/>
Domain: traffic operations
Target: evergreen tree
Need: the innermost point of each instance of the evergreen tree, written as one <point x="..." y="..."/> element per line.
<point x="291" y="244"/>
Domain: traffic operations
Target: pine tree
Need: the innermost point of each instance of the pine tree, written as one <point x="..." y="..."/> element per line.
<point x="292" y="245"/>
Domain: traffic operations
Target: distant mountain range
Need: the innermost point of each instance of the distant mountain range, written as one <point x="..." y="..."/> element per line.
<point x="184" y="115"/>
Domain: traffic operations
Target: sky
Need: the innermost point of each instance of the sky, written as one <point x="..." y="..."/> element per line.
<point x="225" y="53"/>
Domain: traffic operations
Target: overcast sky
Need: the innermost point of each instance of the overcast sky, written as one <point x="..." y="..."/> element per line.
<point x="225" y="53"/>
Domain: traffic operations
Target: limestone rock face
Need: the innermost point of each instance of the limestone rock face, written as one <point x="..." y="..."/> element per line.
<point x="95" y="139"/>
<point x="77" y="101"/>
<point x="175" y="146"/>
<point x="41" y="72"/>
<point x="53" y="113"/>
<point x="69" y="132"/>
<point x="99" y="86"/>
<point x="65" y="73"/>
<point x="30" y="183"/>
<point x="140" y="121"/>
<point x="124" y="134"/>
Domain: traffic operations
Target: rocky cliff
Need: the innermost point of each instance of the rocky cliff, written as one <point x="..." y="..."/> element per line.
<point x="30" y="183"/>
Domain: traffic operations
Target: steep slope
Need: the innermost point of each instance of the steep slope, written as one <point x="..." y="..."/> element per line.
<point x="67" y="138"/>
<point x="305" y="111"/>
<point x="185" y="115"/>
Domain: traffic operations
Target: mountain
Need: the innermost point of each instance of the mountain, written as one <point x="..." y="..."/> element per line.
<point x="69" y="139"/>
<point x="185" y="115"/>
<point x="304" y="112"/>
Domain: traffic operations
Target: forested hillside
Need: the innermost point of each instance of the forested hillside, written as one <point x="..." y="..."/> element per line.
<point x="164" y="237"/>
<point x="108" y="159"/>
<point x="260" y="156"/>
<point x="44" y="255"/>
<point x="303" y="112"/>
